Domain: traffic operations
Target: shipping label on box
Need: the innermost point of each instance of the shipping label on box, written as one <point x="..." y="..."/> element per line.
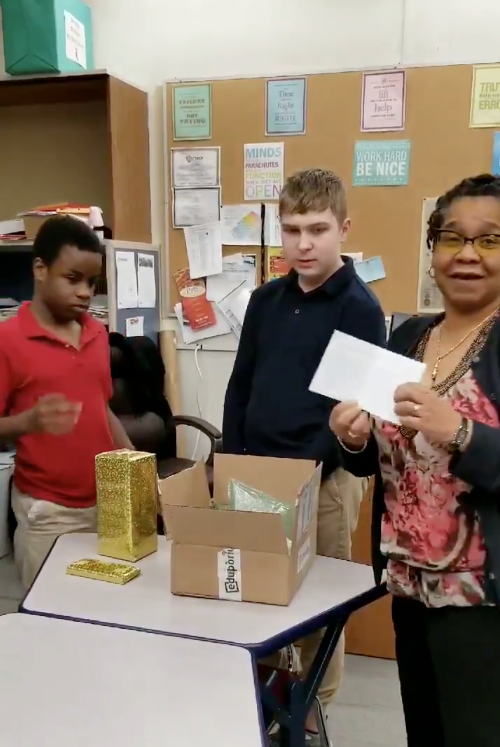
<point x="229" y="574"/>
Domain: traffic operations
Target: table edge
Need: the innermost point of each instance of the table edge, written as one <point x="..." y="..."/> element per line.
<point x="256" y="648"/>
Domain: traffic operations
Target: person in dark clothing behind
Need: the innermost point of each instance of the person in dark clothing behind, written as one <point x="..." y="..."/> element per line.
<point x="269" y="410"/>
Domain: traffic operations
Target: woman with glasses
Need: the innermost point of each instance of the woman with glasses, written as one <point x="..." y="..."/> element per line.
<point x="436" y="508"/>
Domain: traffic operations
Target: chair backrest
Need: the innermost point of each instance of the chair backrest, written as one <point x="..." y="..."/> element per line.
<point x="138" y="401"/>
<point x="398" y="319"/>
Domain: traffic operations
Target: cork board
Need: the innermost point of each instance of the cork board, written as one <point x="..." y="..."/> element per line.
<point x="386" y="220"/>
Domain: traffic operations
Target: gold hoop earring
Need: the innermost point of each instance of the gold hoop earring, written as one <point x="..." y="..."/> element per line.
<point x="431" y="273"/>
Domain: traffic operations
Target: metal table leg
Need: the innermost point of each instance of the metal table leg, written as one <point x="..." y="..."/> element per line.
<point x="301" y="694"/>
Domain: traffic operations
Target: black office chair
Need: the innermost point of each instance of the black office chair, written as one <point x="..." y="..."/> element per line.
<point x="398" y="319"/>
<point x="138" y="372"/>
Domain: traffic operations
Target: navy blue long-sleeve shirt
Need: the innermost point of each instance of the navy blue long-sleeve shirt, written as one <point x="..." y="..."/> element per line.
<point x="268" y="409"/>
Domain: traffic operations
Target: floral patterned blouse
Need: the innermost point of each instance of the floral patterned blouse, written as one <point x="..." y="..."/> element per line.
<point x="436" y="552"/>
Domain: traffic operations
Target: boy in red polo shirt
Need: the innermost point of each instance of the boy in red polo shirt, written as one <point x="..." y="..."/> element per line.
<point x="55" y="384"/>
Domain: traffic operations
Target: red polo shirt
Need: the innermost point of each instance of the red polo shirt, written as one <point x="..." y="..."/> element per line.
<point x="33" y="363"/>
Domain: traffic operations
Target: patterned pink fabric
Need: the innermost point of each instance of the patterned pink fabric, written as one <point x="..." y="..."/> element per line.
<point x="436" y="554"/>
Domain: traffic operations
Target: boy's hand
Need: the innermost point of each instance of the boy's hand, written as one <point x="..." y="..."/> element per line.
<point x="54" y="414"/>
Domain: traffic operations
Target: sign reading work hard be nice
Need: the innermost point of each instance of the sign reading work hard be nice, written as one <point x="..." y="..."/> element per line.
<point x="263" y="170"/>
<point x="381" y="163"/>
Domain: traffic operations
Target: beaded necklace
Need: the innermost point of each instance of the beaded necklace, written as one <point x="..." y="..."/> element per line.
<point x="462" y="367"/>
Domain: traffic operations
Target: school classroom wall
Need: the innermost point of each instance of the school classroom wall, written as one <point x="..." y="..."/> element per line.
<point x="153" y="41"/>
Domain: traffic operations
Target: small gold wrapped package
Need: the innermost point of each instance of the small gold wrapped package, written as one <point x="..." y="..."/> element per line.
<point x="101" y="570"/>
<point x="126" y="504"/>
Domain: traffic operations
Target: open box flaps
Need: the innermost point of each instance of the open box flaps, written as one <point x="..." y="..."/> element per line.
<point x="241" y="555"/>
<point x="186" y="488"/>
<point x="281" y="479"/>
<point x="243" y="529"/>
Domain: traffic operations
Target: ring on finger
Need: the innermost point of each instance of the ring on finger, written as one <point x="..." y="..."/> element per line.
<point x="416" y="408"/>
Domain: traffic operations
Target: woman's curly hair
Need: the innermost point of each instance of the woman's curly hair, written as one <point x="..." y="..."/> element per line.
<point x="484" y="185"/>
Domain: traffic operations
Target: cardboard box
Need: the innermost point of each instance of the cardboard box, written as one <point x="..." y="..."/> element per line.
<point x="127" y="488"/>
<point x="238" y="555"/>
<point x="47" y="36"/>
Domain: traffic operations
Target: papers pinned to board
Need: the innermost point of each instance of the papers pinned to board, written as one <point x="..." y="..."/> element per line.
<point x="236" y="269"/>
<point x="135" y="280"/>
<point x="200" y="319"/>
<point x="204" y="250"/>
<point x="241" y="225"/>
<point x="234" y="307"/>
<point x="127" y="293"/>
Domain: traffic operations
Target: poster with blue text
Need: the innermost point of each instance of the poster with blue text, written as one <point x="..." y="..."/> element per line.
<point x="381" y="163"/>
<point x="286" y="106"/>
<point x="495" y="168"/>
<point x="264" y="171"/>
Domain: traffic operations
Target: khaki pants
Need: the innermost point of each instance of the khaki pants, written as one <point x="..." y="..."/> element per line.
<point x="339" y="501"/>
<point x="39" y="524"/>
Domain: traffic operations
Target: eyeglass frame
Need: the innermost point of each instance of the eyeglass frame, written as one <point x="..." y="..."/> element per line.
<point x="481" y="251"/>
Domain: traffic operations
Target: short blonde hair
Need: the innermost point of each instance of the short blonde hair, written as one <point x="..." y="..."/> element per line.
<point x="313" y="190"/>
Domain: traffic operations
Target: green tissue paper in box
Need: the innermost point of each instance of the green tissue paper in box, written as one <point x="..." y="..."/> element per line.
<point x="47" y="36"/>
<point x="242" y="497"/>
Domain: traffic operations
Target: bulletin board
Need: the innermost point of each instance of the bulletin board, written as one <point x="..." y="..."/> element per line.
<point x="118" y="317"/>
<point x="386" y="221"/>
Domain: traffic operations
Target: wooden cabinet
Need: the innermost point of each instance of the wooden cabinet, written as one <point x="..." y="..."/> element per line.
<point x="77" y="138"/>
<point x="369" y="631"/>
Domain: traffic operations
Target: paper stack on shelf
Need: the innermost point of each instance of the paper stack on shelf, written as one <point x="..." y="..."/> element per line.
<point x="12" y="230"/>
<point x="9" y="308"/>
<point x="35" y="217"/>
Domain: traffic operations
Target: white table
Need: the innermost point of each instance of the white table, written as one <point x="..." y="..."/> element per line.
<point x="147" y="604"/>
<point x="65" y="683"/>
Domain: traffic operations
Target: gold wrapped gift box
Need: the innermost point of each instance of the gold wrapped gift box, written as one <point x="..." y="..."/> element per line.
<point x="126" y="504"/>
<point x="102" y="570"/>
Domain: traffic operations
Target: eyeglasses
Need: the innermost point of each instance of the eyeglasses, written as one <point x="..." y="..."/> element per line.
<point x="452" y="242"/>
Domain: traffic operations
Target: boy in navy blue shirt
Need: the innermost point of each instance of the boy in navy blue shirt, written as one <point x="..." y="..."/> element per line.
<point x="269" y="410"/>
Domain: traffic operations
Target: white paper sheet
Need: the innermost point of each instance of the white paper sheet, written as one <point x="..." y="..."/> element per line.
<point x="190" y="336"/>
<point x="134" y="326"/>
<point x="234" y="307"/>
<point x="204" y="250"/>
<point x="355" y="256"/>
<point x="352" y="369"/>
<point x="272" y="226"/>
<point x="146" y="281"/>
<point x="76" y="44"/>
<point x="237" y="269"/>
<point x="430" y="300"/>
<point x="195" y="167"/>
<point x="195" y="207"/>
<point x="241" y="225"/>
<point x="371" y="269"/>
<point x="126" y="280"/>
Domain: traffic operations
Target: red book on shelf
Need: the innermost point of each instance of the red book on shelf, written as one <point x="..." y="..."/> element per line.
<point x="72" y="208"/>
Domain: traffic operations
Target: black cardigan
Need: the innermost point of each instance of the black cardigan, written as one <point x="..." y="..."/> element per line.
<point x="478" y="465"/>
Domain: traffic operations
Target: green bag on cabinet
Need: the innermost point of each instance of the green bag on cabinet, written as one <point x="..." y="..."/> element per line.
<point x="47" y="36"/>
